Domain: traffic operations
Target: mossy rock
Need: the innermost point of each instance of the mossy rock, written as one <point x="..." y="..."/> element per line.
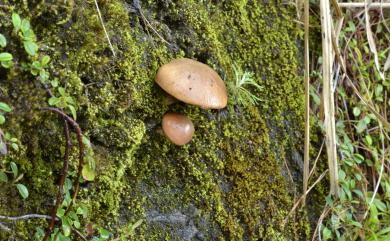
<point x="229" y="183"/>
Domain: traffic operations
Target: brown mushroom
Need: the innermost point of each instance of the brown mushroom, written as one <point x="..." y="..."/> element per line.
<point x="193" y="82"/>
<point x="178" y="128"/>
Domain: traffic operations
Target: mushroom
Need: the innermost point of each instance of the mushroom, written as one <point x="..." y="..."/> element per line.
<point x="193" y="82"/>
<point x="178" y="128"/>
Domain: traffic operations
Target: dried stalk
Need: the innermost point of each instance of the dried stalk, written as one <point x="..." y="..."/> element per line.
<point x="362" y="4"/>
<point x="328" y="95"/>
<point x="306" y="158"/>
<point x="104" y="28"/>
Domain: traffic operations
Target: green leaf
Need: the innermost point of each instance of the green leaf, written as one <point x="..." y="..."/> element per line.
<point x="379" y="90"/>
<point x="76" y="224"/>
<point x="3" y="177"/>
<point x="356" y="111"/>
<point x="22" y="190"/>
<point x="16" y="21"/>
<point x="39" y="234"/>
<point x="44" y="75"/>
<point x="54" y="83"/>
<point x="15" y="146"/>
<point x="29" y="35"/>
<point x="357" y="224"/>
<point x="14" y="169"/>
<point x="45" y="60"/>
<point x="82" y="210"/>
<point x="88" y="173"/>
<point x="7" y="64"/>
<point x="66" y="229"/>
<point x="73" y="111"/>
<point x="67" y="184"/>
<point x="132" y="228"/>
<point x="54" y="101"/>
<point x="4" y="107"/>
<point x="368" y="140"/>
<point x="61" y="91"/>
<point x="3" y="41"/>
<point x="380" y="205"/>
<point x="30" y="47"/>
<point x="86" y="141"/>
<point x="384" y="231"/>
<point x="25" y="26"/>
<point x="105" y="234"/>
<point x="2" y="119"/>
<point x="326" y="234"/>
<point x="359" y="193"/>
<point x="60" y="212"/>
<point x="36" y="65"/>
<point x="5" y="57"/>
<point x="361" y="126"/>
<point x="61" y="237"/>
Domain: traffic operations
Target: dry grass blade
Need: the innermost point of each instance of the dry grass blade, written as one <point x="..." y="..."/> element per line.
<point x="362" y="4"/>
<point x="303" y="196"/>
<point x="104" y="28"/>
<point x="336" y="6"/>
<point x="371" y="41"/>
<point x="306" y="164"/>
<point x="380" y="172"/>
<point x="328" y="97"/>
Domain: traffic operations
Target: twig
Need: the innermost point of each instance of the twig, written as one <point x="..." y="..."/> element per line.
<point x="60" y="194"/>
<point x="5" y="228"/>
<point x="24" y="217"/>
<point x="79" y="234"/>
<point x="104" y="28"/>
<point x="316" y="160"/>
<point x="306" y="164"/>
<point x="362" y="4"/>
<point x="303" y="196"/>
<point x="322" y="216"/>
<point x="137" y="6"/>
<point x="79" y="134"/>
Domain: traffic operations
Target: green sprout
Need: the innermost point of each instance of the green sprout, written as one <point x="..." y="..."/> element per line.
<point x="239" y="88"/>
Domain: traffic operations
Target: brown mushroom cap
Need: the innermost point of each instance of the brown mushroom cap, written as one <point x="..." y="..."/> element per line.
<point x="193" y="82"/>
<point x="178" y="128"/>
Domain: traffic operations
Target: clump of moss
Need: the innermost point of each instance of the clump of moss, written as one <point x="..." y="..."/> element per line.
<point x="232" y="170"/>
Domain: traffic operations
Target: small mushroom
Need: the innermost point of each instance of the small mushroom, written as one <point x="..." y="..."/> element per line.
<point x="193" y="82"/>
<point x="178" y="128"/>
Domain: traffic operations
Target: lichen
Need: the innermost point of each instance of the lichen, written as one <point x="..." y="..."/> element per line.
<point x="232" y="171"/>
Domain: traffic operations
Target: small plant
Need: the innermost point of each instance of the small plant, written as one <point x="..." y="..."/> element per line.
<point x="4" y="108"/>
<point x="239" y="88"/>
<point x="5" y="58"/>
<point x="23" y="191"/>
<point x="26" y="34"/>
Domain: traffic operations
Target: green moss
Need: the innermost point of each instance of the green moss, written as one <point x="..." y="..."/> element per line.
<point x="232" y="171"/>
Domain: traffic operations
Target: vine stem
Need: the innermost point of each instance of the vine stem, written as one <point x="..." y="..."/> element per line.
<point x="60" y="194"/>
<point x="79" y="134"/>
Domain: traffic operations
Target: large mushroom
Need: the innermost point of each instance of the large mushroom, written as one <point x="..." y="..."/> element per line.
<point x="178" y="128"/>
<point x="193" y="82"/>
